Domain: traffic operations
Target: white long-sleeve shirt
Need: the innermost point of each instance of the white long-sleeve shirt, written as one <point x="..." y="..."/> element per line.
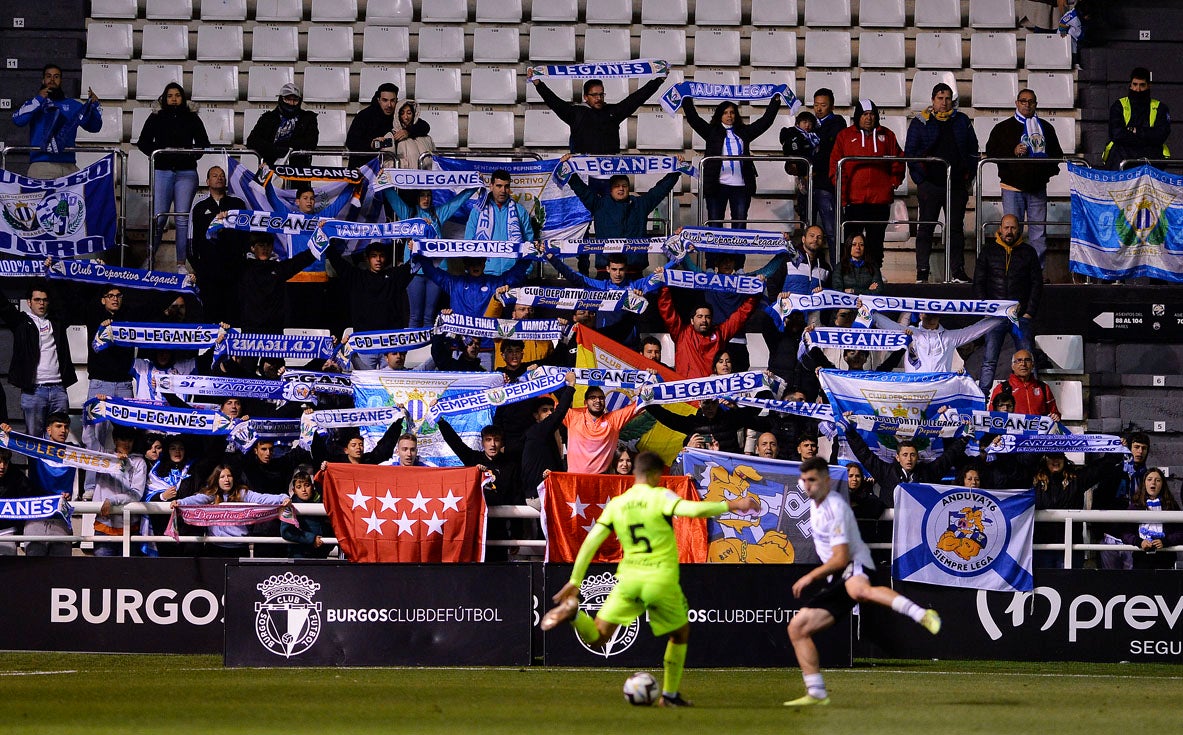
<point x="931" y="350"/>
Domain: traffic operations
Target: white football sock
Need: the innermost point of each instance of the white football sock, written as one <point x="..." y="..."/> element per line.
<point x="904" y="606"/>
<point x="815" y="685"/>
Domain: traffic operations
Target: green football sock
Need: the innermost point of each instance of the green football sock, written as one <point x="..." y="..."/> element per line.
<point x="674" y="661"/>
<point x="585" y="628"/>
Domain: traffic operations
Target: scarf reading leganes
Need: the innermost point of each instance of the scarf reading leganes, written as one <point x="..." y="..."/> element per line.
<point x="676" y="95"/>
<point x="419" y="179"/>
<point x="610" y="246"/>
<point x="320" y="229"/>
<point x="820" y="411"/>
<point x="28" y="509"/>
<point x="604" y="69"/>
<point x="63" y="454"/>
<point x="277" y="346"/>
<point x="715" y="387"/>
<point x="714" y="240"/>
<point x="480" y="248"/>
<point x="157" y="417"/>
<point x="723" y="282"/>
<point x="338" y="384"/>
<point x="93" y="271"/>
<point x="603" y="167"/>
<point x="876" y="340"/>
<point x="382" y="341"/>
<point x="171" y="336"/>
<point x="574" y="298"/>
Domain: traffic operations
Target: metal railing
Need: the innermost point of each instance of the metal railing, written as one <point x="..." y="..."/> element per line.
<point x="802" y="219"/>
<point x="889" y="160"/>
<point x="1162" y="163"/>
<point x="979" y="195"/>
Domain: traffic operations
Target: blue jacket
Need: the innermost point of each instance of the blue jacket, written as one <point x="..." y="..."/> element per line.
<point x="923" y="133"/>
<point x="470" y="295"/>
<point x="497" y="266"/>
<point x="54" y="126"/>
<point x="437" y="215"/>
<point x="626" y="219"/>
<point x="805" y="275"/>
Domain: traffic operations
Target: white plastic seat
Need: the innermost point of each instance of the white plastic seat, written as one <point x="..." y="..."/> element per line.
<point x="607" y="44"/>
<point x="1065" y="131"/>
<point x="614" y="90"/>
<point x="138" y="116"/>
<point x="216" y="42"/>
<point x="881" y="14"/>
<point x="493" y="86"/>
<point x="219" y="124"/>
<point x="444" y="11"/>
<point x="326" y="83"/>
<point x="389" y="12"/>
<point x="897" y="124"/>
<point x="151" y="79"/>
<point x="1060" y="185"/>
<point x="263" y="82"/>
<point x="1047" y="51"/>
<point x="332" y="127"/>
<point x="215" y="83"/>
<point x="554" y="11"/>
<point x="552" y="43"/>
<point x="716" y="76"/>
<point x="445" y="127"/>
<point x="373" y="75"/>
<point x="609" y="12"/>
<point x="498" y="11"/>
<point x="992" y="13"/>
<point x="924" y="81"/>
<point x="490" y="129"/>
<point x="827" y="48"/>
<point x="441" y="45"/>
<point x="773" y="179"/>
<point x="836" y="81"/>
<point x="994" y="89"/>
<point x="989" y="182"/>
<point x="109" y="81"/>
<point x="774" y="13"/>
<point x="250" y="118"/>
<point x="382" y="44"/>
<point x="275" y="43"/>
<point x="561" y="86"/>
<point x="334" y="11"/>
<point x="165" y="41"/>
<point x="226" y="10"/>
<point x="1055" y="91"/>
<point x="284" y="11"/>
<point x="664" y="12"/>
<point x="993" y="51"/>
<point x="497" y="45"/>
<point x="887" y="88"/>
<point x="769" y="140"/>
<point x="437" y="84"/>
<point x="879" y="50"/>
<point x="664" y="43"/>
<point x="112" y="130"/>
<point x="658" y="131"/>
<point x="716" y="47"/>
<point x="938" y="51"/>
<point x="782" y="75"/>
<point x="827" y="13"/>
<point x="109" y="41"/>
<point x="330" y="43"/>
<point x="168" y="10"/>
<point x="984" y="125"/>
<point x="113" y="9"/>
<point x="938" y="14"/>
<point x="774" y="48"/>
<point x="718" y="13"/>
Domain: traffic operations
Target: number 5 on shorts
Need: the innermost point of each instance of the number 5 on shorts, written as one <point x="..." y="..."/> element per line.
<point x="638" y="539"/>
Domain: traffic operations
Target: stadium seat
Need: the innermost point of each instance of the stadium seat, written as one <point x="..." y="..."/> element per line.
<point x="773" y="179"/>
<point x="215" y="83"/>
<point x="897" y="124"/>
<point x="783" y="75"/>
<point x="664" y="12"/>
<point x="607" y="44"/>
<point x="284" y="11"/>
<point x="165" y="41"/>
<point x="609" y="12"/>
<point x="383" y="44"/>
<point x="716" y="47"/>
<point x="1065" y="130"/>
<point x="992" y="13"/>
<point x="1060" y="185"/>
<point x="938" y="14"/>
<point x="225" y="10"/>
<point x="437" y="84"/>
<point x="263" y="82"/>
<point x="275" y="43"/>
<point x="109" y="81"/>
<point x="615" y="90"/>
<point x="112" y="130"/>
<point x="490" y="129"/>
<point x="373" y="75"/>
<point x="1054" y="91"/>
<point x="881" y="14"/>
<point x="1069" y="397"/>
<point x="445" y="127"/>
<point x="552" y="43"/>
<point x="216" y="42"/>
<point x="330" y="43"/>
<point x="326" y="83"/>
<point x="494" y="86"/>
<point x="1059" y="212"/>
<point x="332" y="126"/>
<point x="715" y="76"/>
<point x="774" y="13"/>
<point x="444" y="11"/>
<point x="497" y="45"/>
<point x="774" y="49"/>
<point x="113" y="9"/>
<point x="664" y="43"/>
<point x="219" y="124"/>
<point x="555" y="11"/>
<point x="250" y="117"/>
<point x="168" y="10"/>
<point x="138" y="116"/>
<point x="993" y="51"/>
<point x="1047" y="51"/>
<point x="498" y="11"/>
<point x="151" y="79"/>
<point x="109" y="41"/>
<point x="1066" y="351"/>
<point x="441" y="44"/>
<point x="333" y="11"/>
<point x="827" y="48"/>
<point x="994" y="89"/>
<point x="659" y="131"/>
<point x="561" y="86"/>
<point x="938" y="51"/>
<point x="389" y="12"/>
<point x="837" y="81"/>
<point x="878" y="50"/>
<point x="769" y="142"/>
<point x="989" y="182"/>
<point x="983" y="124"/>
<point x="718" y="13"/>
<point x="823" y="13"/>
<point x="887" y="88"/>
<point x="924" y="81"/>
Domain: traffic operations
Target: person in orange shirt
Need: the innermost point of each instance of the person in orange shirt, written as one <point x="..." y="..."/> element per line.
<point x="592" y="432"/>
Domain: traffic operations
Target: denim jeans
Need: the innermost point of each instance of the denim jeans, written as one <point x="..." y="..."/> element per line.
<point x="423" y="294"/>
<point x="174" y="192"/>
<point x="97" y="436"/>
<point x="735" y="197"/>
<point x="39" y="404"/>
<point x="1029" y="206"/>
<point x="1020" y="335"/>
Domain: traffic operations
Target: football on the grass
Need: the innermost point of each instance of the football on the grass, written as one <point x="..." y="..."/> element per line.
<point x="641" y="689"/>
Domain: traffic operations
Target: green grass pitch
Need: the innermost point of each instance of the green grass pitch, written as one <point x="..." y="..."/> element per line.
<point x="42" y="693"/>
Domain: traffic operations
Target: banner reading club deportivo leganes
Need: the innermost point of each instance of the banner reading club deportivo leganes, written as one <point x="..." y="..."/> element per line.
<point x="63" y="218"/>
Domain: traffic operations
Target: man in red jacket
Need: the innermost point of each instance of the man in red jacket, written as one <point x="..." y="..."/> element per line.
<point x="868" y="187"/>
<point x="1032" y="395"/>
<point x="697" y="343"/>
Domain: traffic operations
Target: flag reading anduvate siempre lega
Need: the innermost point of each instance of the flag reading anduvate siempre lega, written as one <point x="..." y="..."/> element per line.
<point x="66" y="217"/>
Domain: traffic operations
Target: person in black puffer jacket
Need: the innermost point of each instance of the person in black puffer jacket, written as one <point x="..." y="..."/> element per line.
<point x="284" y="129"/>
<point x="1008" y="268"/>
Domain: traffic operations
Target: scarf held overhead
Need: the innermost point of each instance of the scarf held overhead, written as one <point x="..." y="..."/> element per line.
<point x="157" y="417"/>
<point x="574" y="298"/>
<point x="676" y="95"/>
<point x="604" y="69"/>
<point x="697" y="389"/>
<point x="489" y="328"/>
<point x="63" y="454"/>
<point x="169" y="336"/>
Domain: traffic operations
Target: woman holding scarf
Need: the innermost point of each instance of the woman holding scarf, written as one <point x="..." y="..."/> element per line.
<point x="223" y="487"/>
<point x="1149" y="537"/>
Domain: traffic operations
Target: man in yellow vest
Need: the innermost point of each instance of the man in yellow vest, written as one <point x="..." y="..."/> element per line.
<point x="1139" y="125"/>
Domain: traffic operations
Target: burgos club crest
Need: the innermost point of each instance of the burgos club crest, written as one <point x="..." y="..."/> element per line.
<point x="594" y="591"/>
<point x="966" y="532"/>
<point x="287" y="621"/>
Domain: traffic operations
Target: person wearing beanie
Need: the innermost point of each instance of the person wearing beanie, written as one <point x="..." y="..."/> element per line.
<point x="286" y="128"/>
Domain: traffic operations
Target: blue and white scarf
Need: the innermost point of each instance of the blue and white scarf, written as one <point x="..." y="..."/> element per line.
<point x="16" y="268"/>
<point x="966" y="307"/>
<point x="819" y="301"/>
<point x="207" y="385"/>
<point x="857" y="339"/>
<point x="820" y="411"/>
<point x="1099" y="443"/>
<point x="245" y="434"/>
<point x="93" y="271"/>
<point x="676" y="95"/>
<point x="603" y="167"/>
<point x="909" y="427"/>
<point x="29" y="509"/>
<point x="487" y="218"/>
<point x="337" y="384"/>
<point x="574" y="298"/>
<point x="626" y="378"/>
<point x="535" y="383"/>
<point x="604" y="69"/>
<point x="346" y="418"/>
<point x="1018" y="424"/>
<point x="1147" y="531"/>
<point x="479" y="248"/>
<point x="339" y="229"/>
<point x="488" y="328"/>
<point x="157" y="417"/>
<point x="276" y="346"/>
<point x="1033" y="136"/>
<point x="627" y="246"/>
<point x="167" y="336"/>
<point x="712" y="388"/>
<point x="63" y="454"/>
<point x="383" y="341"/>
<point x="698" y="281"/>
<point x="420" y="179"/>
<point x="716" y="240"/>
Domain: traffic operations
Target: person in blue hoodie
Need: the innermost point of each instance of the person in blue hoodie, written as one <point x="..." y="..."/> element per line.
<point x="53" y="124"/>
<point x="470" y="293"/>
<point x="50" y="477"/>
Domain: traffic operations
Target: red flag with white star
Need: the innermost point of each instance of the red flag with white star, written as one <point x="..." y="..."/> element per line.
<point x="406" y="514"/>
<point x="571" y="504"/>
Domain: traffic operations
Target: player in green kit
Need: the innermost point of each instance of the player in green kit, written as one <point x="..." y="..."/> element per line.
<point x="647" y="577"/>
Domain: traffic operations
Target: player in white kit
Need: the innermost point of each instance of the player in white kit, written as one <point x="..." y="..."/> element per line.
<point x="845" y="576"/>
